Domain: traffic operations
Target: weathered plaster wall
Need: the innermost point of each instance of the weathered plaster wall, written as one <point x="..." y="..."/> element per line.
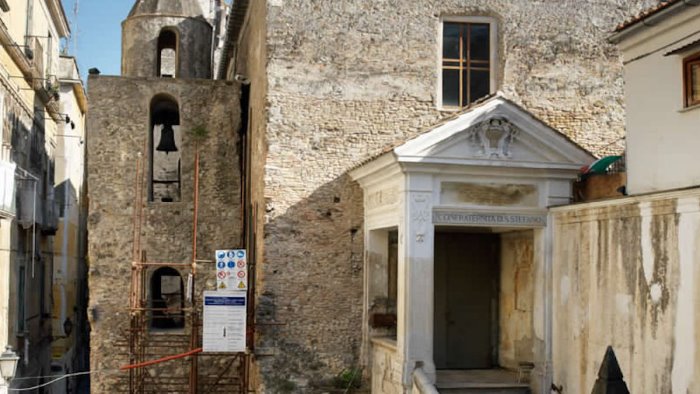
<point x="516" y="307"/>
<point x="386" y="367"/>
<point x="625" y="275"/>
<point x="348" y="78"/>
<point x="119" y="124"/>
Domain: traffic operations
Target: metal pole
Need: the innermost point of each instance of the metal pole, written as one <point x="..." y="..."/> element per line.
<point x="34" y="230"/>
<point x="194" y="321"/>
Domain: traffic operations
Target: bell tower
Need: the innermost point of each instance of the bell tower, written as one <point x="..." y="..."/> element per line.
<point x="167" y="38"/>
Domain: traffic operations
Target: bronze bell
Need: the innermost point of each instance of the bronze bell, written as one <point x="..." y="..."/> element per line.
<point x="167" y="140"/>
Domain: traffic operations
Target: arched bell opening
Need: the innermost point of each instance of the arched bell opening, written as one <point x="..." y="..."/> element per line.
<point x="167" y="299"/>
<point x="167" y="53"/>
<point x="165" y="144"/>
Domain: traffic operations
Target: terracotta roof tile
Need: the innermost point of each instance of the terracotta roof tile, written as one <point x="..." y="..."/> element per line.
<point x="645" y="14"/>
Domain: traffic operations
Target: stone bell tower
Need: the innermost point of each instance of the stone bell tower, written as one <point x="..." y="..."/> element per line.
<point x="167" y="38"/>
<point x="152" y="239"/>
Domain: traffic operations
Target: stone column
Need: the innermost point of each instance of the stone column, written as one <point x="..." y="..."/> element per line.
<point x="416" y="282"/>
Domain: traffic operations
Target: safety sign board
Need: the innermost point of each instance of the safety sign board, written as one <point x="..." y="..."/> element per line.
<point x="231" y="269"/>
<point x="224" y="321"/>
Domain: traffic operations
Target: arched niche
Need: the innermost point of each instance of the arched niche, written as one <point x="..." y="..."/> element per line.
<point x="167" y="55"/>
<point x="167" y="299"/>
<point x="165" y="149"/>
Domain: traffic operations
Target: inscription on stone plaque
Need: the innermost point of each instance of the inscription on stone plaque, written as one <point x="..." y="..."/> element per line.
<point x="490" y="219"/>
<point x="381" y="198"/>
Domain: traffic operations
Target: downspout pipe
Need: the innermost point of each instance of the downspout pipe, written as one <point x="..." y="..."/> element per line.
<point x="35" y="179"/>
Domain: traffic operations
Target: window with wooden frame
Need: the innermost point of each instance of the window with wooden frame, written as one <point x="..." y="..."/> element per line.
<point x="467" y="61"/>
<point x="691" y="79"/>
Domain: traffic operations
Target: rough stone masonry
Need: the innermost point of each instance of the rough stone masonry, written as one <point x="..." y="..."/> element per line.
<point x="119" y="124"/>
<point x="345" y="79"/>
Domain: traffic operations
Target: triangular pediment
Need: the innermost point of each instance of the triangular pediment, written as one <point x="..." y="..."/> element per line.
<point x="495" y="132"/>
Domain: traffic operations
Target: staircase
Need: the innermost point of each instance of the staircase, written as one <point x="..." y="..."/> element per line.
<point x="491" y="381"/>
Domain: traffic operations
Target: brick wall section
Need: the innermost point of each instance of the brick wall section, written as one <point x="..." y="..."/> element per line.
<point x="345" y="79"/>
<point x="118" y="124"/>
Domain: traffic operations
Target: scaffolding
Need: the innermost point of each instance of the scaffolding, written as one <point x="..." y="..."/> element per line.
<point x="171" y="361"/>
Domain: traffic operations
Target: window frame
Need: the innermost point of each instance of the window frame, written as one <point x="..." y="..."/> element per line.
<point x="688" y="61"/>
<point x="493" y="54"/>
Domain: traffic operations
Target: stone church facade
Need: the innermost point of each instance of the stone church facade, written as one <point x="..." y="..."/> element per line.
<point x="308" y="96"/>
<point x="334" y="84"/>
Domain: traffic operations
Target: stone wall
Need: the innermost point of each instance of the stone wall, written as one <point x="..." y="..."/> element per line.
<point x="119" y="126"/>
<point x="251" y="61"/>
<point x="140" y="46"/>
<point x="346" y="79"/>
<point x="625" y="275"/>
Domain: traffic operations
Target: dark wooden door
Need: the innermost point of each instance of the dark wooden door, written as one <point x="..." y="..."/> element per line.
<point x="466" y="300"/>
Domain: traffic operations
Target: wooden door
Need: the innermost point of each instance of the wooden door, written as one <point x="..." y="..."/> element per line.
<point x="466" y="300"/>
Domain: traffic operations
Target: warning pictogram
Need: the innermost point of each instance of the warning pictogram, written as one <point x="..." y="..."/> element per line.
<point x="231" y="269"/>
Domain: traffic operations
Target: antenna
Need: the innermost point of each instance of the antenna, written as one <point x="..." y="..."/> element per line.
<point x="76" y="28"/>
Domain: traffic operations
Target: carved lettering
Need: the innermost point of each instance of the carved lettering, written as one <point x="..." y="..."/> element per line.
<point x="489" y="219"/>
<point x="382" y="198"/>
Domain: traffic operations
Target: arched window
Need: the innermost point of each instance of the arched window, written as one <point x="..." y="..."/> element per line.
<point x="167" y="53"/>
<point x="167" y="299"/>
<point x="165" y="143"/>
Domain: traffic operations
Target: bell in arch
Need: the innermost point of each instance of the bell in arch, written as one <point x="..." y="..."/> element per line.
<point x="167" y="140"/>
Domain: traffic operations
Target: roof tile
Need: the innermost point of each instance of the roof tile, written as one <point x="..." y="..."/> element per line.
<point x="645" y="14"/>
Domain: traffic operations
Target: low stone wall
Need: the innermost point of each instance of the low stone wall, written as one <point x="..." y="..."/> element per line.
<point x="386" y="367"/>
<point x="625" y="275"/>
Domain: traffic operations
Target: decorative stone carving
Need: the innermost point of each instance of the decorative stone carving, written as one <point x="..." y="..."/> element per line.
<point x="420" y="215"/>
<point x="493" y="138"/>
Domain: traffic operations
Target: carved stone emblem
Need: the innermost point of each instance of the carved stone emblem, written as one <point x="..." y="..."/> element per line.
<point x="420" y="214"/>
<point x="493" y="138"/>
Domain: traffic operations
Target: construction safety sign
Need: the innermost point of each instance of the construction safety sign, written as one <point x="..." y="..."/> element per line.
<point x="224" y="321"/>
<point x="231" y="270"/>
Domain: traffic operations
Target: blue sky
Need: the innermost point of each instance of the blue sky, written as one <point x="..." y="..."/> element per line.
<point x="98" y="29"/>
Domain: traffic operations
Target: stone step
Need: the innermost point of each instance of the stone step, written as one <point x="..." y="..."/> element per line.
<point x="484" y="388"/>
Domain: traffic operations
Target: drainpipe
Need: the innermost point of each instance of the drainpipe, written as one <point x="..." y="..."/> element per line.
<point x="67" y="214"/>
<point x="548" y="373"/>
<point x="35" y="180"/>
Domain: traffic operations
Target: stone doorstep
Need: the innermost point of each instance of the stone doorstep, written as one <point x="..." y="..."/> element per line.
<point x="475" y="385"/>
<point x="486" y="391"/>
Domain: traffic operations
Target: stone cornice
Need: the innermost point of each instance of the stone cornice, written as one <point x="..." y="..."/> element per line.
<point x="58" y="15"/>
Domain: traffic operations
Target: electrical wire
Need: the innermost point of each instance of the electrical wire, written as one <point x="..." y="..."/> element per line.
<point x="53" y="381"/>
